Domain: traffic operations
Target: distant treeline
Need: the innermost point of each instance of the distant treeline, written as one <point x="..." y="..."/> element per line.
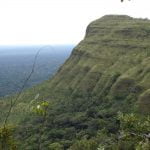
<point x="16" y="63"/>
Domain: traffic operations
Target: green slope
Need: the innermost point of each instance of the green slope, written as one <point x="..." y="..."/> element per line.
<point x="107" y="72"/>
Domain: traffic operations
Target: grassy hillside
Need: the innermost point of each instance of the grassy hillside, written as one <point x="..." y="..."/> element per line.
<point x="107" y="72"/>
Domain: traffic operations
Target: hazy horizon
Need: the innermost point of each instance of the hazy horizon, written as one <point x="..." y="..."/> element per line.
<point x="33" y="49"/>
<point x="28" y="22"/>
<point x="16" y="63"/>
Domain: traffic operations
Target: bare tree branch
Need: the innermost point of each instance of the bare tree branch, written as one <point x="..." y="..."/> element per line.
<point x="13" y="102"/>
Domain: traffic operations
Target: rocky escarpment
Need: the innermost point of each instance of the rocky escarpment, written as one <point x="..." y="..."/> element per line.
<point x="112" y="62"/>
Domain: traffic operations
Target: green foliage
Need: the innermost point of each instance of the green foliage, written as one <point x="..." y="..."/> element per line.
<point x="136" y="130"/>
<point x="100" y="147"/>
<point x="55" y="146"/>
<point x="41" y="108"/>
<point x="84" y="144"/>
<point x="7" y="141"/>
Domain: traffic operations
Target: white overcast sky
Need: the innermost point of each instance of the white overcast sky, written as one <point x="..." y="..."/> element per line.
<point x="58" y="21"/>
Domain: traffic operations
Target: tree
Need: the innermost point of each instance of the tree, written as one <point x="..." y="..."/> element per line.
<point x="7" y="141"/>
<point x="136" y="130"/>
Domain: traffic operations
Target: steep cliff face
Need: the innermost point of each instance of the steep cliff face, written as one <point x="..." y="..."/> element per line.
<point x="107" y="72"/>
<point x="112" y="62"/>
